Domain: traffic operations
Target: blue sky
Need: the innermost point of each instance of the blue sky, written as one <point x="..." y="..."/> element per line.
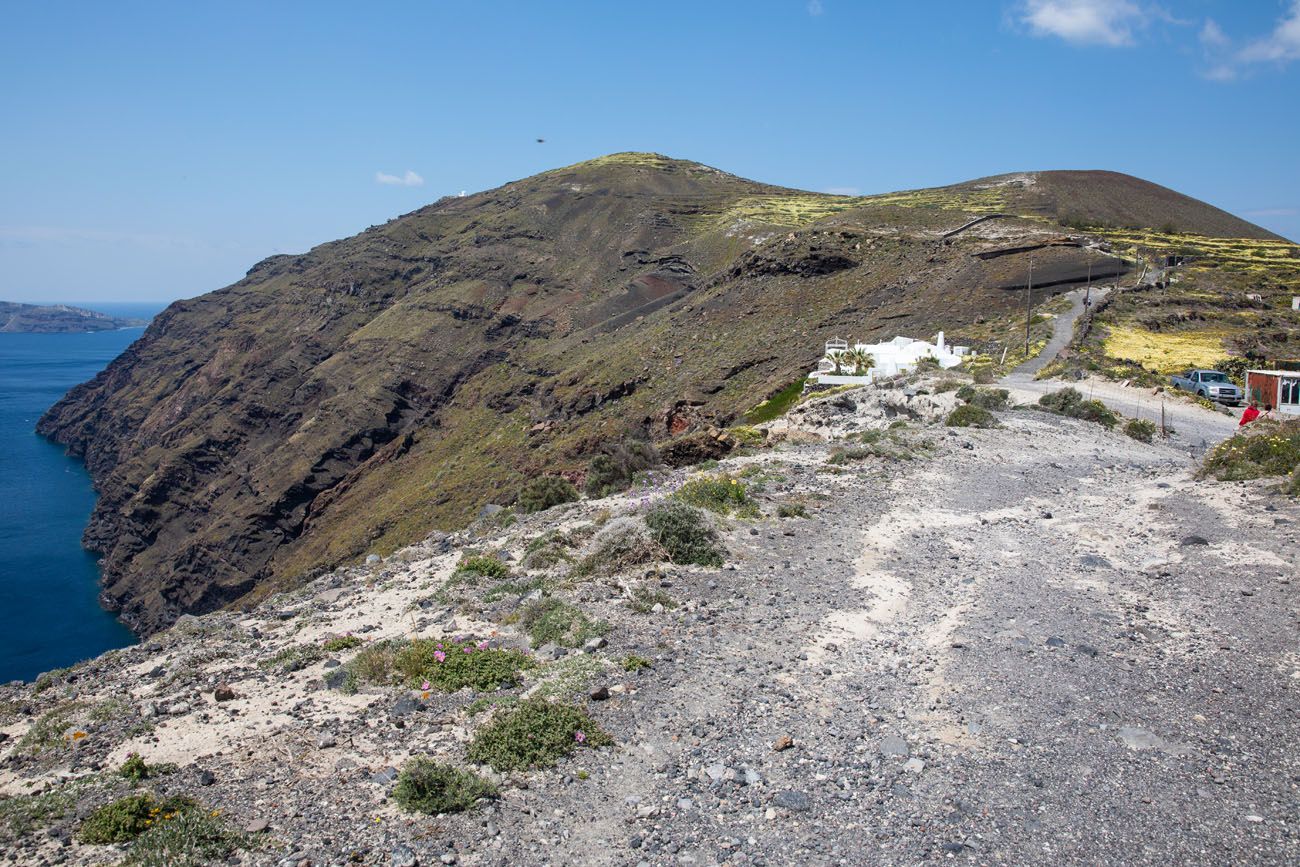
<point x="155" y="151"/>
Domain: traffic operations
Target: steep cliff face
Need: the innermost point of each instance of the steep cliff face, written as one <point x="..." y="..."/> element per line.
<point x="354" y="397"/>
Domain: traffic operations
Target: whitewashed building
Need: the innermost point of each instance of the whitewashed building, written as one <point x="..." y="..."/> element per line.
<point x="843" y="364"/>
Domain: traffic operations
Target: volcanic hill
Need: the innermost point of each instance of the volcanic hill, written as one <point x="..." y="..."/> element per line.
<point x="352" y="398"/>
<point x="58" y="319"/>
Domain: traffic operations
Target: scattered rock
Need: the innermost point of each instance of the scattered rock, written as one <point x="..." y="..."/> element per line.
<point x="782" y="743"/>
<point x="600" y="693"/>
<point x="404" y="856"/>
<point x="256" y="826"/>
<point x="894" y="745"/>
<point x="792" y="800"/>
<point x="224" y="692"/>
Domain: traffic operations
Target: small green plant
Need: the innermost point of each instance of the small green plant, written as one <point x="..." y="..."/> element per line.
<point x="123" y="820"/>
<point x="791" y="510"/>
<point x="1140" y="429"/>
<point x="988" y="398"/>
<point x="483" y="567"/>
<point x="135" y="768"/>
<point x="544" y="492"/>
<point x="535" y="734"/>
<point x="47" y="731"/>
<point x="191" y="839"/>
<point x="448" y="665"/>
<point x="722" y="494"/>
<point x="635" y="663"/>
<point x="553" y="621"/>
<point x="685" y="535"/>
<point x="487" y="702"/>
<point x="293" y="658"/>
<point x="374" y="664"/>
<point x="969" y="415"/>
<point x="426" y="786"/>
<point x="343" y="642"/>
<point x="20" y="815"/>
<point x="547" y="550"/>
<point x="519" y="587"/>
<point x="642" y="600"/>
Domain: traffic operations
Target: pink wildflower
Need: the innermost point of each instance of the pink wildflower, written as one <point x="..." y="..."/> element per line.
<point x="439" y="655"/>
<point x="482" y="645"/>
<point x="580" y="737"/>
<point x="425" y="686"/>
<point x="467" y="649"/>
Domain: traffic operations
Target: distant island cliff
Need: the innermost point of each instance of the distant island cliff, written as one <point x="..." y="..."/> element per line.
<point x="58" y="319"/>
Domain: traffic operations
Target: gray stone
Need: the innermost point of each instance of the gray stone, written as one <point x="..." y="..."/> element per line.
<point x="326" y="741"/>
<point x="716" y="772"/>
<point x="594" y="644"/>
<point x="894" y="745"/>
<point x="404" y="856"/>
<point x="791" y="799"/>
<point x="384" y="776"/>
<point x="371" y="559"/>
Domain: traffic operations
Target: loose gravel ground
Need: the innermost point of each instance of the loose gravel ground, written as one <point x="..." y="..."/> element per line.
<point x="1044" y="643"/>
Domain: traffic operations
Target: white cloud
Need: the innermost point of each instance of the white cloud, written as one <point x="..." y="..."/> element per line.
<point x="815" y="7"/>
<point x="842" y="191"/>
<point x="1228" y="63"/>
<point x="1096" y="22"/>
<point x="1280" y="46"/>
<point x="64" y="235"/>
<point x="410" y="179"/>
<point x="1212" y="35"/>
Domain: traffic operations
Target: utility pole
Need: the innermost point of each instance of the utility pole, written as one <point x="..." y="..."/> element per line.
<point x="1029" y="303"/>
<point x="1087" y="293"/>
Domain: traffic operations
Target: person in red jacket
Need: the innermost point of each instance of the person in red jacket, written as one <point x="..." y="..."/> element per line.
<point x="1248" y="415"/>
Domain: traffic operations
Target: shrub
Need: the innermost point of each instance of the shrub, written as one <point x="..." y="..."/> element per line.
<point x="544" y="492"/>
<point x="621" y="544"/>
<point x="293" y="658"/>
<point x="448" y="665"/>
<point x="547" y="550"/>
<point x="1069" y="402"/>
<point x="1140" y="429"/>
<point x="503" y="589"/>
<point x="1063" y="401"/>
<point x="483" y="567"/>
<point x="970" y="415"/>
<point x="643" y="600"/>
<point x="744" y="435"/>
<point x="791" y="510"/>
<point x="723" y="494"/>
<point x="988" y="398"/>
<point x="553" y="621"/>
<point x="535" y="734"/>
<point x="123" y="820"/>
<point x="612" y="471"/>
<point x="372" y="665"/>
<point x="685" y="535"/>
<point x="23" y="814"/>
<point x="192" y="839"/>
<point x="426" y="786"/>
<point x="134" y="768"/>
<point x="343" y="642"/>
<point x="1262" y="449"/>
<point x="635" y="663"/>
<point x="46" y="733"/>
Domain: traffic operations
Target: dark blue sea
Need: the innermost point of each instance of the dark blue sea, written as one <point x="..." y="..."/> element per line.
<point x="49" y="586"/>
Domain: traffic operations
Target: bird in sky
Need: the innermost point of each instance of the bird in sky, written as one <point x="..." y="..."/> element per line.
<point x="541" y="140"/>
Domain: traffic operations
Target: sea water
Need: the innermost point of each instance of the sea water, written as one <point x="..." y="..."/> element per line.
<point x="50" y="615"/>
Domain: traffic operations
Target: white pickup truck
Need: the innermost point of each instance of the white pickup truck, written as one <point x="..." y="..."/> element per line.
<point x="1210" y="384"/>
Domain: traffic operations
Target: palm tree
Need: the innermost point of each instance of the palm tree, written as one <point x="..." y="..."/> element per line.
<point x="838" y="357"/>
<point x="862" y="360"/>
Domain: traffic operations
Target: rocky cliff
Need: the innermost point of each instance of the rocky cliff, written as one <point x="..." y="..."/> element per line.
<point x="353" y="398"/>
